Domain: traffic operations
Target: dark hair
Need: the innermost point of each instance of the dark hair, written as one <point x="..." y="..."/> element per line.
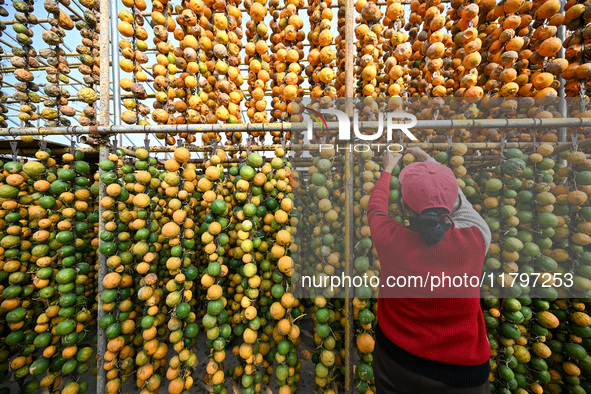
<point x="431" y="224"/>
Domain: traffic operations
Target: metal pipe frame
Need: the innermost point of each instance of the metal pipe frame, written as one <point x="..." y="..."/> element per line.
<point x="103" y="154"/>
<point x="558" y="147"/>
<point x="562" y="107"/>
<point x="8" y="70"/>
<point x="349" y="194"/>
<point x="129" y="150"/>
<point x="443" y="124"/>
<point x="333" y="5"/>
<point x="101" y="348"/>
<point x="116" y="77"/>
<point x="109" y="34"/>
<point x="67" y="54"/>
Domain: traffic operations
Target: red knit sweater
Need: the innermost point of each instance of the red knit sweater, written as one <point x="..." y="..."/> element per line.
<point x="447" y="330"/>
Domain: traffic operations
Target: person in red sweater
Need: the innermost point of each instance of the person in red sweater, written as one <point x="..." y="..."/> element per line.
<point x="428" y="343"/>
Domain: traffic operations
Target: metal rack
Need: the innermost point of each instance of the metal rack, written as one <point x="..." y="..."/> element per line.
<point x="104" y="150"/>
<point x="102" y="133"/>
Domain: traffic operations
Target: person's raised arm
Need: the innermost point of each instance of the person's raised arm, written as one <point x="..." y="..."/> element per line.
<point x="377" y="208"/>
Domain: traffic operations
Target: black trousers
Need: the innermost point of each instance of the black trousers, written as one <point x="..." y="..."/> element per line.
<point x="391" y="377"/>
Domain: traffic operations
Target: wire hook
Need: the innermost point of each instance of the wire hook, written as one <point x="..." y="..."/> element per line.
<point x="248" y="145"/>
<point x="114" y="144"/>
<point x="575" y="140"/>
<point x="14" y="148"/>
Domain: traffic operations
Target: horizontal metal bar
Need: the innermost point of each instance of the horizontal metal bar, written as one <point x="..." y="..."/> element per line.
<point x="70" y="99"/>
<point x="13" y="21"/>
<point x="74" y="18"/>
<point x="7" y="43"/>
<point x="532" y="123"/>
<point x="8" y="70"/>
<point x="559" y="146"/>
<point x="66" y="54"/>
<point x="333" y="5"/>
<point x="227" y="148"/>
<point x="73" y="11"/>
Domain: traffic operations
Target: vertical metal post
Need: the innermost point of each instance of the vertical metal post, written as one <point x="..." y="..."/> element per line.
<point x="101" y="380"/>
<point x="562" y="105"/>
<point x="350" y="53"/>
<point x="115" y="68"/>
<point x="349" y="222"/>
<point x="349" y="250"/>
<point x="105" y="23"/>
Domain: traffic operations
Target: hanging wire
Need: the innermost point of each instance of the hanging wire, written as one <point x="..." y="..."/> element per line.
<point x="583" y="88"/>
<point x="14" y="148"/>
<point x="575" y="141"/>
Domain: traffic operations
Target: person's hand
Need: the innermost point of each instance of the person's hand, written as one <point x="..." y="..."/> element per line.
<point x="418" y="153"/>
<point x="390" y="161"/>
